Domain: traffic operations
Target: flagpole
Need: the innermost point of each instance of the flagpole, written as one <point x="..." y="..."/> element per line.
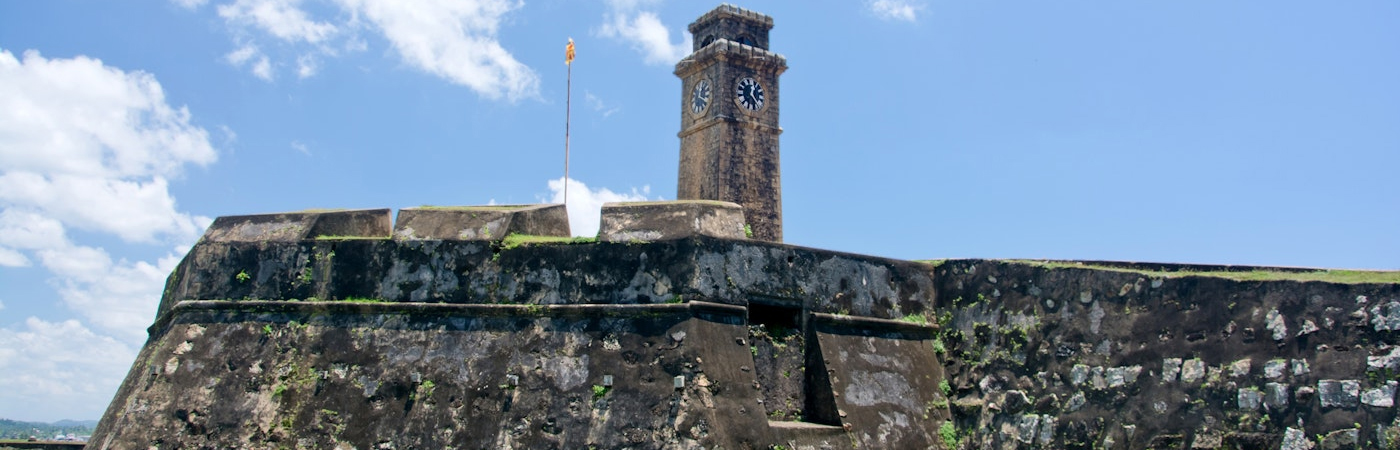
<point x="568" y="107"/>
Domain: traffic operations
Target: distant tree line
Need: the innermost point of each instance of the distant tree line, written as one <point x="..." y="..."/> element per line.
<point x="14" y="429"/>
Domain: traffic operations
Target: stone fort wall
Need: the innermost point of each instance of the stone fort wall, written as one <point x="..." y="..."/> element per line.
<point x="1132" y="356"/>
<point x="336" y="330"/>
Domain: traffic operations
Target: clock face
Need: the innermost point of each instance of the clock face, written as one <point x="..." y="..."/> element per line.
<point x="700" y="97"/>
<point x="749" y="94"/>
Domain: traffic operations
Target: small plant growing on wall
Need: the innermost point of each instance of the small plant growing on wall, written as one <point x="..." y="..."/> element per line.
<point x="949" y="433"/>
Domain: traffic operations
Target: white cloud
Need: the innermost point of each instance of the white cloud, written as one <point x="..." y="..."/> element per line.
<point x="628" y="21"/>
<point x="280" y="18"/>
<point x="301" y="148"/>
<point x="585" y="205"/>
<point x="190" y="4"/>
<point x="455" y="40"/>
<point x="241" y="55"/>
<point x="895" y="9"/>
<point x="59" y="370"/>
<point x="306" y="66"/>
<point x="136" y="210"/>
<point x="26" y="231"/>
<point x="229" y="136"/>
<point x="452" y="39"/>
<point x="92" y="147"/>
<point x="2" y="306"/>
<point x="12" y="258"/>
<point x="91" y="119"/>
<point x="599" y="106"/>
<point x="119" y="297"/>
<point x="88" y="146"/>
<point x="261" y="67"/>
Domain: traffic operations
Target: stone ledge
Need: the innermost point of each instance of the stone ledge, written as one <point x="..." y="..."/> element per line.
<point x="660" y="221"/>
<point x="723" y="49"/>
<point x="805" y="434"/>
<point x="481" y="223"/>
<point x="299" y="226"/>
<point x="292" y="308"/>
<point x="859" y="322"/>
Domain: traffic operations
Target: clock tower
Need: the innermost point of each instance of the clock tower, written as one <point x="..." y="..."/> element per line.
<point x="729" y="117"/>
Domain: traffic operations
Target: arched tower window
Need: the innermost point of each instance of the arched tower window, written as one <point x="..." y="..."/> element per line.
<point x="745" y="39"/>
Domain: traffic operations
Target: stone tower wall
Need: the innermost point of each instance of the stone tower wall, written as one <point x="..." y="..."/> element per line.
<point x="729" y="153"/>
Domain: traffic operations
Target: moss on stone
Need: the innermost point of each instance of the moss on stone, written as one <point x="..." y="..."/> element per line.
<point x="1330" y="276"/>
<point x="515" y="240"/>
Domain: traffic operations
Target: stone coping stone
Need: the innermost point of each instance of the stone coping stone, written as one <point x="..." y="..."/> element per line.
<point x="1184" y="267"/>
<point x="659" y="221"/>
<point x="481" y="223"/>
<point x="299" y="226"/>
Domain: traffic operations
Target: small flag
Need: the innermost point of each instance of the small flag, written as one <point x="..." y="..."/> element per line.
<point x="569" y="52"/>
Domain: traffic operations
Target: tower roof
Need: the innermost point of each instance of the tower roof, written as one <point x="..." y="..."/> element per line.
<point x="729" y="22"/>
<point x="730" y="11"/>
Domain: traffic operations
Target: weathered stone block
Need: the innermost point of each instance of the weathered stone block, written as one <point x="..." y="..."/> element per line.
<point x="1075" y="402"/>
<point x="868" y="386"/>
<point x="1207" y="439"/>
<point x="1192" y="370"/>
<point x="1014" y="401"/>
<point x="1170" y="368"/>
<point x="1338" y="393"/>
<point x="1078" y="374"/>
<point x="1341" y="439"/>
<point x="1295" y="439"/>
<point x="484" y="223"/>
<point x="1096" y="378"/>
<point x="1122" y="376"/>
<point x="1389" y="361"/>
<point x="1240" y="368"/>
<point x="1275" y="396"/>
<point x="1300" y="367"/>
<point x="1027" y="428"/>
<point x="298" y="226"/>
<point x="1275" y="323"/>
<point x="1275" y="368"/>
<point x="1249" y="398"/>
<point x="1381" y="397"/>
<point x="657" y="221"/>
<point x="1386" y="317"/>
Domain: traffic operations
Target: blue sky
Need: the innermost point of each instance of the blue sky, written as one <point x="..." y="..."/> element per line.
<point x="1191" y="131"/>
